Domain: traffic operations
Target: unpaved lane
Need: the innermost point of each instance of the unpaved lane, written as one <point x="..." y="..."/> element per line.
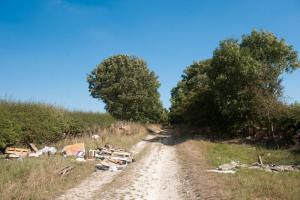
<point x="154" y="177"/>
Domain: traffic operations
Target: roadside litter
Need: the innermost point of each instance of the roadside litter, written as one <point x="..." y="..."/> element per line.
<point x="47" y="150"/>
<point x="96" y="137"/>
<point x="13" y="152"/>
<point x="107" y="157"/>
<point x="111" y="158"/>
<point x="74" y="149"/>
<point x="230" y="168"/>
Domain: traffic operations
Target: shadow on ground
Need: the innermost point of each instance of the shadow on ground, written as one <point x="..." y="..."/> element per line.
<point x="174" y="136"/>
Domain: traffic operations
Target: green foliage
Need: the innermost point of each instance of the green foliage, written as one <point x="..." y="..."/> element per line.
<point x="78" y="122"/>
<point x="288" y="123"/>
<point x="127" y="87"/>
<point x="239" y="87"/>
<point x="21" y="123"/>
<point x="9" y="128"/>
<point x="189" y="93"/>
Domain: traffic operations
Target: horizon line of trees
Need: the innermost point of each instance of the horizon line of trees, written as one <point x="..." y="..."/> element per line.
<point x="238" y="90"/>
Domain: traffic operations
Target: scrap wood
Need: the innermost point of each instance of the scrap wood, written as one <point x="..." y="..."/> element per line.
<point x="107" y="164"/>
<point x="17" y="151"/>
<point x="33" y="147"/>
<point x="102" y="167"/>
<point x="105" y="151"/>
<point x="114" y="157"/>
<point x="12" y="155"/>
<point x="65" y="171"/>
<point x="119" y="162"/>
<point x="259" y="160"/>
<point x="233" y="165"/>
<point x="118" y="153"/>
<point x="92" y="153"/>
<point x="222" y="171"/>
<point x="115" y="152"/>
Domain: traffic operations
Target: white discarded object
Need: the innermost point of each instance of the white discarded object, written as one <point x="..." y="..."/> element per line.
<point x="13" y="156"/>
<point x="229" y="166"/>
<point x="113" y="169"/>
<point x="80" y="159"/>
<point x="221" y="171"/>
<point x="50" y="150"/>
<point x="80" y="154"/>
<point x="31" y="155"/>
<point x="96" y="137"/>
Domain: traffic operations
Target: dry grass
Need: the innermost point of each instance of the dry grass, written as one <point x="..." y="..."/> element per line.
<point x="198" y="155"/>
<point x="36" y="178"/>
<point x="120" y="134"/>
<point x="198" y="184"/>
<point x="254" y="184"/>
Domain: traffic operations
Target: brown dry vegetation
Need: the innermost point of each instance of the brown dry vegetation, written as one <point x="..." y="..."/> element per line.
<point x="36" y="178"/>
<point x="198" y="155"/>
<point x="198" y="184"/>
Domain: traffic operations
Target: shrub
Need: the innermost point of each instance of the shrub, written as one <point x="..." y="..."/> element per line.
<point x="21" y="123"/>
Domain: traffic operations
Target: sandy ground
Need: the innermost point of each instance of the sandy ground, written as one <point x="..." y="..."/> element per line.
<point x="153" y="177"/>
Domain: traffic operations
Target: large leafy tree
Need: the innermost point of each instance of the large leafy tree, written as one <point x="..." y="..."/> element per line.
<point x="245" y="79"/>
<point x="242" y="83"/>
<point x="128" y="88"/>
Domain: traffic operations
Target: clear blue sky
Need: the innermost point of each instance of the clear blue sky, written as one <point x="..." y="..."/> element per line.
<point x="47" y="47"/>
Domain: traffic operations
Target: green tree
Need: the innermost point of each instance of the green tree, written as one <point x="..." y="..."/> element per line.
<point x="190" y="94"/>
<point x="240" y="87"/>
<point x="234" y="80"/>
<point x="128" y="88"/>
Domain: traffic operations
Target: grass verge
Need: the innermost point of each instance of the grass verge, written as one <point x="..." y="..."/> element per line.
<point x="255" y="184"/>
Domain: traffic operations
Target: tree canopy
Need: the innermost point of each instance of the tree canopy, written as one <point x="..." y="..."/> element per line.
<point x="239" y="87"/>
<point x="128" y="88"/>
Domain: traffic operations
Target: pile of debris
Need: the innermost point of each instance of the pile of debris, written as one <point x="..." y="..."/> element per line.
<point x="230" y="168"/>
<point x="20" y="153"/>
<point x="275" y="168"/>
<point x="108" y="157"/>
<point x="77" y="150"/>
<point x="111" y="158"/>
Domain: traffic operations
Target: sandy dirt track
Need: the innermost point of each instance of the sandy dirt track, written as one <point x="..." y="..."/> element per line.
<point x="154" y="176"/>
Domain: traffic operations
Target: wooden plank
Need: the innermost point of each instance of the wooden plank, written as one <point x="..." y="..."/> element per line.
<point x="33" y="147"/>
<point x="122" y="154"/>
<point x="17" y="151"/>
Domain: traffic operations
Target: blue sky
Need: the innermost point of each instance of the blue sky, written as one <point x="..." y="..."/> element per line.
<point x="47" y="47"/>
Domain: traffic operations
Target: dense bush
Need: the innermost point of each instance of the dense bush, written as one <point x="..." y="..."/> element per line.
<point x="288" y="123"/>
<point x="21" y="123"/>
<point x="79" y="122"/>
